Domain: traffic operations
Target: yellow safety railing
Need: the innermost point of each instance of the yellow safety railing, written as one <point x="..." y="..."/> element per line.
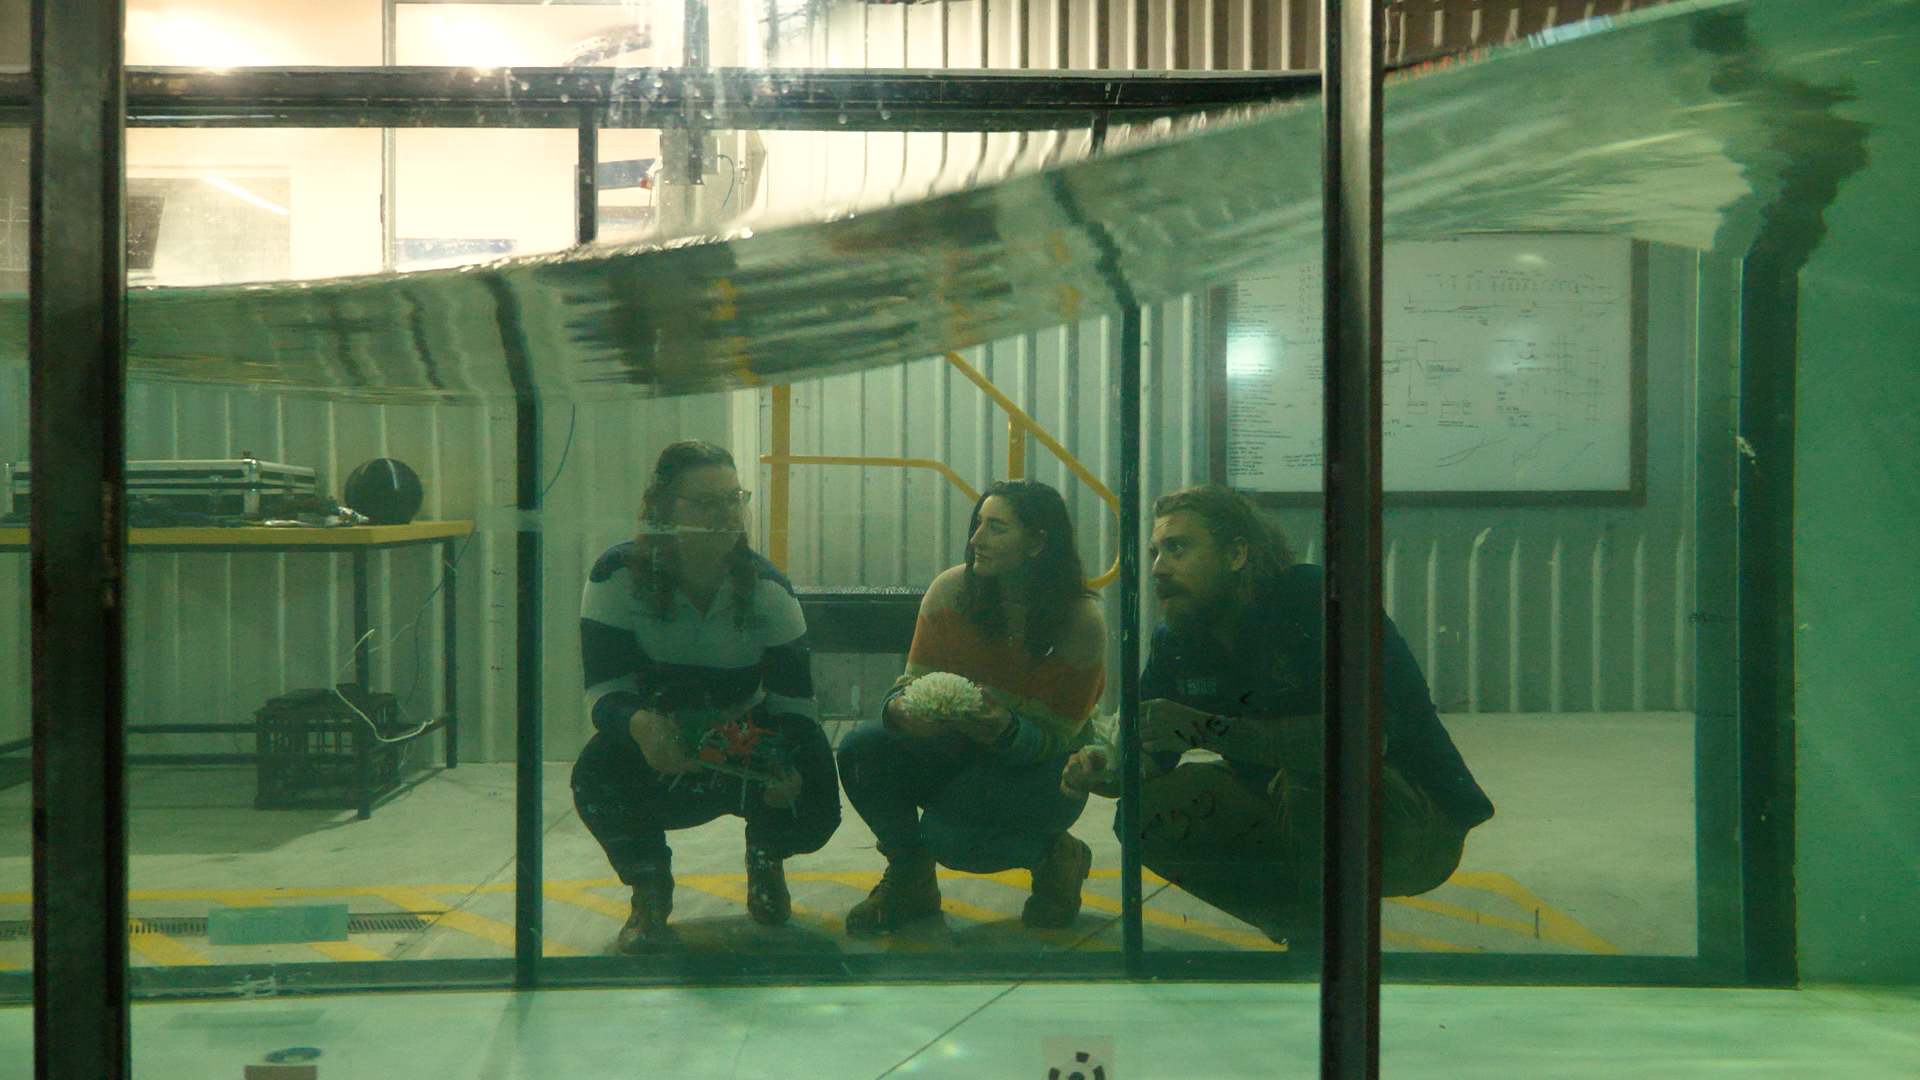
<point x="1019" y="425"/>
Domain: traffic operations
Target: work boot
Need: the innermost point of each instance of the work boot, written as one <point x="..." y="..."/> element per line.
<point x="768" y="901"/>
<point x="907" y="891"/>
<point x="646" y="928"/>
<point x="1056" y="885"/>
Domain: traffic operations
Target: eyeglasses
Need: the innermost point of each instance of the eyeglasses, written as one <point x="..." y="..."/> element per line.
<point x="713" y="504"/>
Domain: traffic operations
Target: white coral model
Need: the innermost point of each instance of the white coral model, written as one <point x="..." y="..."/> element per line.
<point x="938" y="695"/>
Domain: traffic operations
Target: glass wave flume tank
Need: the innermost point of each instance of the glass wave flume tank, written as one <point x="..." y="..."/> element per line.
<point x="1679" y="124"/>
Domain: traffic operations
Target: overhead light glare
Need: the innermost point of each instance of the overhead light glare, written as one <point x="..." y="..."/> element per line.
<point x="239" y="192"/>
<point x="470" y="41"/>
<point x="199" y="44"/>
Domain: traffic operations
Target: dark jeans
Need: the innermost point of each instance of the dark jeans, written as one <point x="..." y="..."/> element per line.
<point x="629" y="807"/>
<point x="1255" y="854"/>
<point x="982" y="815"/>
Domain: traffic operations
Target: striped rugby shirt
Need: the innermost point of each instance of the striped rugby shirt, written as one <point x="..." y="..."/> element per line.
<point x="635" y="659"/>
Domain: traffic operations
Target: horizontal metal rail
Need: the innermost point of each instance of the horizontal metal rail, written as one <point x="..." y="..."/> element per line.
<point x="717" y="98"/>
<point x="953" y="478"/>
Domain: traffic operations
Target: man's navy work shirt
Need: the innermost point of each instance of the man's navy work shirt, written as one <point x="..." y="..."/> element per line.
<point x="1272" y="668"/>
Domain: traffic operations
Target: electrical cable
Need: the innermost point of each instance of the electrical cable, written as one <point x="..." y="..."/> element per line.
<point x="573" y="416"/>
<point x="447" y="573"/>
<point x="733" y="177"/>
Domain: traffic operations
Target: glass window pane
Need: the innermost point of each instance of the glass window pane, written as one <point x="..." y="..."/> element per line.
<point x="292" y="645"/>
<point x="1541" y="422"/>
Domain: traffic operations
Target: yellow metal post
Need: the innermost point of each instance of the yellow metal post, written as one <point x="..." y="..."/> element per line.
<point x="777" y="494"/>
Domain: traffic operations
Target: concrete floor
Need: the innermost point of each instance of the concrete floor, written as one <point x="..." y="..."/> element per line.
<point x="1136" y="1031"/>
<point x="1590" y="851"/>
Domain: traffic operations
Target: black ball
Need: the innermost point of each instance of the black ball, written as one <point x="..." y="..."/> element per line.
<point x="385" y="490"/>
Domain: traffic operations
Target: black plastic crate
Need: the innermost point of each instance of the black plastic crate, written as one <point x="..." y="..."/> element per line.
<point x="323" y="749"/>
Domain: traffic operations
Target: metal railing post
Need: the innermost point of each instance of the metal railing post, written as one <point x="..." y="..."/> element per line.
<point x="77" y="348"/>
<point x="1350" y="960"/>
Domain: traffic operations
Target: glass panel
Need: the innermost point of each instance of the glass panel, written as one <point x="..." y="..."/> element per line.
<point x="1230" y="832"/>
<point x="291" y="663"/>
<point x="1672" y="677"/>
<point x="210" y="207"/>
<point x="470" y="195"/>
<point x="1541" y="421"/>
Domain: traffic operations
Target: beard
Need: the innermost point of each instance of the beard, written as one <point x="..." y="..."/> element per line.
<point x="1194" y="614"/>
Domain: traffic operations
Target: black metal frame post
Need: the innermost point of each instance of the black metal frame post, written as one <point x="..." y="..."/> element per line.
<point x="362" y="621"/>
<point x="1769" y="344"/>
<point x="1130" y="496"/>
<point x="529" y="799"/>
<point x="694" y="45"/>
<point x="586" y="178"/>
<point x="77" y="345"/>
<point x="449" y="653"/>
<point x="1350" y="962"/>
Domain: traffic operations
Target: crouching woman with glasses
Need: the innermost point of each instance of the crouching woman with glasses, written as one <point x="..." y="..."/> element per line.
<point x="701" y="693"/>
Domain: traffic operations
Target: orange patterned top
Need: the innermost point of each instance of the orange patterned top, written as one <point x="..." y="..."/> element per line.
<point x="1056" y="697"/>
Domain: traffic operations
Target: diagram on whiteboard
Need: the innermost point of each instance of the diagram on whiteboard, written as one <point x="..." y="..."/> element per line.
<point x="1508" y="366"/>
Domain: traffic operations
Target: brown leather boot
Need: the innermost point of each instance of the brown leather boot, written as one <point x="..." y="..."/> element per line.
<point x="1056" y="885"/>
<point x="768" y="901"/>
<point x="646" y="928"/>
<point x="907" y="891"/>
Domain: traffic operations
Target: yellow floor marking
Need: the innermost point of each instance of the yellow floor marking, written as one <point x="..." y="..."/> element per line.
<point x="568" y="893"/>
<point x="1225" y="935"/>
<point x="1422" y="941"/>
<point x="725" y="887"/>
<point x="489" y="930"/>
<point x="1555" y="925"/>
<point x="1471" y="915"/>
<point x="345" y="950"/>
<point x="732" y="887"/>
<point x="160" y="948"/>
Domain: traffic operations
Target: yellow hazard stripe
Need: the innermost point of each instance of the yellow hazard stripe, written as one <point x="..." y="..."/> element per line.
<point x="345" y="950"/>
<point x="161" y="949"/>
<point x="1555" y="925"/>
<point x="488" y="930"/>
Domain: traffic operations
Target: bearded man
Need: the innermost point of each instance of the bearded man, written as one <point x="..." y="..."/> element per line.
<point x="1235" y="670"/>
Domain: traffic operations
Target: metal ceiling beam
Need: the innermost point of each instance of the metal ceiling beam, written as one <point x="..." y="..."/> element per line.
<point x="723" y="98"/>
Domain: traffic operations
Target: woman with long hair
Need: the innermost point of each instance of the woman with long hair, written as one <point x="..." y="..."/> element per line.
<point x="701" y="692"/>
<point x="968" y="777"/>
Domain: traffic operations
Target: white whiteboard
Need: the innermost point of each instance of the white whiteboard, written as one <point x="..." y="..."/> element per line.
<point x="1509" y="365"/>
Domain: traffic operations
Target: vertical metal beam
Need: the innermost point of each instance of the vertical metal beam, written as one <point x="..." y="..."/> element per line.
<point x="694" y="47"/>
<point x="77" y="344"/>
<point x="780" y="476"/>
<point x="389" y="142"/>
<point x="362" y="621"/>
<point x="529" y="897"/>
<point x="1130" y="496"/>
<point x="1350" y="962"/>
<point x="586" y="178"/>
<point x="1769" y="345"/>
<point x="529" y="854"/>
<point x="449" y="652"/>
